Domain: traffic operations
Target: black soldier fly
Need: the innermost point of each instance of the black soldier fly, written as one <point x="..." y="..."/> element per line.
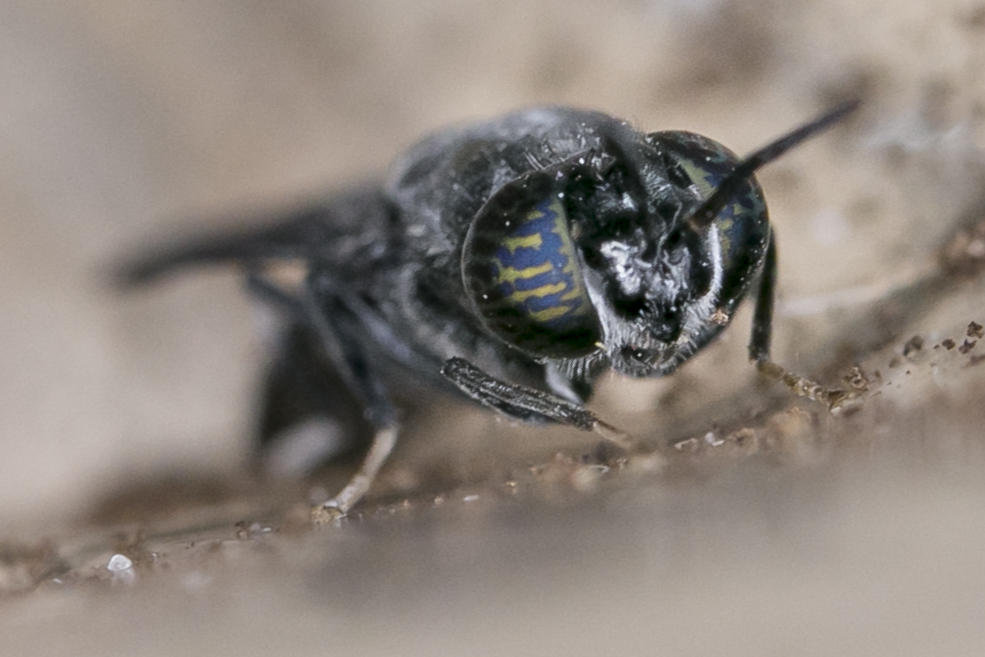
<point x="517" y="260"/>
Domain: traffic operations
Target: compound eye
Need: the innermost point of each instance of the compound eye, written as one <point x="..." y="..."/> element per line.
<point x="695" y="159"/>
<point x="704" y="163"/>
<point x="523" y="276"/>
<point x="743" y="224"/>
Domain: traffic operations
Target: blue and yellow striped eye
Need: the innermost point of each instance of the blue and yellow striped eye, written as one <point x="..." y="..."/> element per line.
<point x="523" y="276"/>
<point x="743" y="224"/>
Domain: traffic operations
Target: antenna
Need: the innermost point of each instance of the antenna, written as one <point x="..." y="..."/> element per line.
<point x="707" y="211"/>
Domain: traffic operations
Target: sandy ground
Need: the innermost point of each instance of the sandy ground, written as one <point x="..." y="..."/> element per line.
<point x="762" y="525"/>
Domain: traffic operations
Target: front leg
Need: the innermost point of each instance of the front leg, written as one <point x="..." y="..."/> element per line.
<point x="527" y="404"/>
<point x="762" y="333"/>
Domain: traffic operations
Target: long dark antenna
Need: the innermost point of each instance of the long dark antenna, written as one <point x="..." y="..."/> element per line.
<point x="708" y="210"/>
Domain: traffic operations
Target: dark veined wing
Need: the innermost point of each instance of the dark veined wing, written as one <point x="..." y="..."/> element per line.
<point x="318" y="231"/>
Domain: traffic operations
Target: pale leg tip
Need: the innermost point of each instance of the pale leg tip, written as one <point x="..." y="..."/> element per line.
<point x="326" y="514"/>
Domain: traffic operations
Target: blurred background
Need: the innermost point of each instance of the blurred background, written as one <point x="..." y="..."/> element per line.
<point x="125" y="125"/>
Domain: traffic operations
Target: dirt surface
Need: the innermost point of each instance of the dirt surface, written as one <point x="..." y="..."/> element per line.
<point x="760" y="525"/>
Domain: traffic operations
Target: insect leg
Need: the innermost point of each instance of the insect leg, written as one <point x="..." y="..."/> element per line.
<point x="347" y="354"/>
<point x="350" y="358"/>
<point x="308" y="415"/>
<point x="525" y="403"/>
<point x="762" y="333"/>
<point x="762" y="321"/>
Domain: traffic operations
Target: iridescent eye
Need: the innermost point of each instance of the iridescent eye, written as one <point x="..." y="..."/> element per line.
<point x="703" y="161"/>
<point x="743" y="224"/>
<point x="522" y="274"/>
